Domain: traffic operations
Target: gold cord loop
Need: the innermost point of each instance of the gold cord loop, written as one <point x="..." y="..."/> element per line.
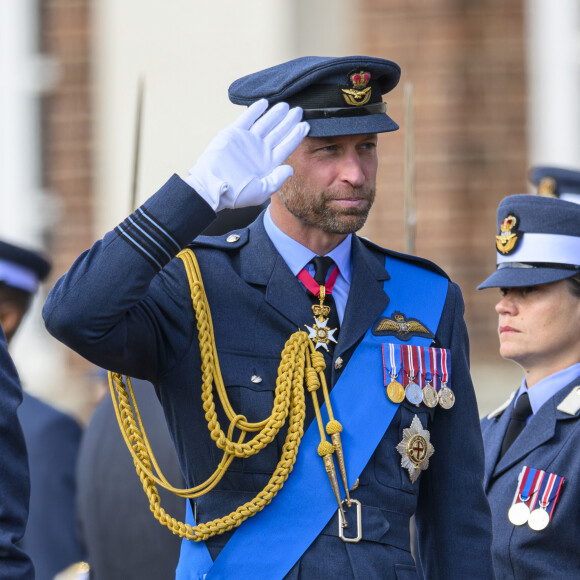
<point x="299" y="360"/>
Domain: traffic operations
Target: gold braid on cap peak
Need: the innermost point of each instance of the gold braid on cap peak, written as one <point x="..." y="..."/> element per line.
<point x="297" y="358"/>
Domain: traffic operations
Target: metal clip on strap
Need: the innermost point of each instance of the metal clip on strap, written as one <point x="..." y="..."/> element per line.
<point x="342" y="524"/>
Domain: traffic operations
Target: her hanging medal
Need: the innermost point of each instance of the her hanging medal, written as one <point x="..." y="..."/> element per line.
<point x="528" y="480"/>
<point x="549" y="492"/>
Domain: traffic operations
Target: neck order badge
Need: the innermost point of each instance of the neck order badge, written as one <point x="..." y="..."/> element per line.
<point x="322" y="332"/>
<point x="307" y="484"/>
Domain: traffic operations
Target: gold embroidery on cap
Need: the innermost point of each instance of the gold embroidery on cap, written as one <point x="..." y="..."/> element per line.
<point x="508" y="238"/>
<point x="360" y="94"/>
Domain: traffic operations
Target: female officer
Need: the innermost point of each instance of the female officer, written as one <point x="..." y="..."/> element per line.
<point x="532" y="442"/>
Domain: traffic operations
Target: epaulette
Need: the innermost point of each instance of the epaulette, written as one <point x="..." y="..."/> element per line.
<point x="407" y="257"/>
<point x="571" y="404"/>
<point x="231" y="241"/>
<point x="497" y="412"/>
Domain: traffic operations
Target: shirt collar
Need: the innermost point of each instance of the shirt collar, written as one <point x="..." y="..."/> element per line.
<point x="548" y="387"/>
<point x="297" y="256"/>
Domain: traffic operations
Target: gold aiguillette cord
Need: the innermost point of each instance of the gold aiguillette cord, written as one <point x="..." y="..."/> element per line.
<point x="314" y="369"/>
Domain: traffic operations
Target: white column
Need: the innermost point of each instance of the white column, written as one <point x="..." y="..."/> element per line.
<point x="19" y="149"/>
<point x="553" y="62"/>
<point x="24" y="74"/>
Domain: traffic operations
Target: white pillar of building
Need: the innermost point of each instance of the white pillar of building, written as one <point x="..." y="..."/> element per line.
<point x="24" y="75"/>
<point x="553" y="61"/>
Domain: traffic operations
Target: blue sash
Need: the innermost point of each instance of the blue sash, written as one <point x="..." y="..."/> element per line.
<point x="267" y="545"/>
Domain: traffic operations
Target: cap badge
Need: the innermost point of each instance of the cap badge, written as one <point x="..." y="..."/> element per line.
<point x="547" y="187"/>
<point x="400" y="326"/>
<point x="360" y="94"/>
<point x="415" y="449"/>
<point x="508" y="237"/>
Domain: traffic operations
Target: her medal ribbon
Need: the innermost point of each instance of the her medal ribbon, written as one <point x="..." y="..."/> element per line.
<point x="528" y="481"/>
<point x="548" y="493"/>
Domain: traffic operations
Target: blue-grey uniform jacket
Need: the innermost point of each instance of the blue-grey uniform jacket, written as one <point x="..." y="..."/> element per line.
<point x="550" y="442"/>
<point x="125" y="305"/>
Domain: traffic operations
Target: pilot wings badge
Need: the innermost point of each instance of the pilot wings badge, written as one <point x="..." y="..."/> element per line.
<point x="401" y="327"/>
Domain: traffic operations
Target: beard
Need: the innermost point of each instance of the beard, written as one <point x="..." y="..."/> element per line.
<point x="312" y="206"/>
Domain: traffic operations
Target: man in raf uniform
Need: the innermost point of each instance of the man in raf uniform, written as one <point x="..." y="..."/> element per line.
<point x="531" y="442"/>
<point x="383" y="331"/>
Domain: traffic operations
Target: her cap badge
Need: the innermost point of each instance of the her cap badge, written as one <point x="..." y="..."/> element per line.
<point x="507" y="240"/>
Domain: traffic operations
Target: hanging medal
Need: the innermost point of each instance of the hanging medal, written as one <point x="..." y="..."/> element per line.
<point x="446" y="395"/>
<point x="410" y="359"/>
<point x="528" y="481"/>
<point x="394" y="388"/>
<point x="430" y="397"/>
<point x="319" y="332"/>
<point x="548" y="494"/>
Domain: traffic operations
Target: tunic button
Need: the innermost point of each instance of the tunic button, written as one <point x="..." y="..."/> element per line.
<point x="256" y="379"/>
<point x="232" y="238"/>
<point x="338" y="364"/>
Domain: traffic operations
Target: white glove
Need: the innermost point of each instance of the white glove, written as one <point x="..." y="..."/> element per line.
<point x="241" y="165"/>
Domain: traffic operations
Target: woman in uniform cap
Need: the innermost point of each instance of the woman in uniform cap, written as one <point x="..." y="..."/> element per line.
<point x="532" y="442"/>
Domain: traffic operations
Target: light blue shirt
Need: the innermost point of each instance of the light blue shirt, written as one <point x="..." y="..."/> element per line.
<point x="548" y="387"/>
<point x="297" y="257"/>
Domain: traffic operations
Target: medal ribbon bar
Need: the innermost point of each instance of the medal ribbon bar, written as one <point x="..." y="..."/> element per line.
<point x="433" y="367"/>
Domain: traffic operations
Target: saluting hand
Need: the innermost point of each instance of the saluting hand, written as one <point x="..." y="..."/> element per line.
<point x="242" y="165"/>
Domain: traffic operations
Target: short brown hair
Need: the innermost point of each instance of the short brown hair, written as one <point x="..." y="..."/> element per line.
<point x="574" y="285"/>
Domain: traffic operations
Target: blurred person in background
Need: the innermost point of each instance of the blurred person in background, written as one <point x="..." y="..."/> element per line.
<point x="52" y="437"/>
<point x="121" y="537"/>
<point x="15" y="563"/>
<point x="532" y="442"/>
<point x="558" y="182"/>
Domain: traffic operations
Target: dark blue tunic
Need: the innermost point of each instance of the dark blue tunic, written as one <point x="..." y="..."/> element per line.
<point x="125" y="304"/>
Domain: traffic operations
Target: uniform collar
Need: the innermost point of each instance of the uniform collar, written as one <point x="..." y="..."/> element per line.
<point x="297" y="256"/>
<point x="545" y="389"/>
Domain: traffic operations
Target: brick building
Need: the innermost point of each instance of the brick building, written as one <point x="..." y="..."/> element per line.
<point x="465" y="63"/>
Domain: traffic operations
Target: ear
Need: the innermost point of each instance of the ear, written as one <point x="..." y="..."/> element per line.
<point x="10" y="319"/>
